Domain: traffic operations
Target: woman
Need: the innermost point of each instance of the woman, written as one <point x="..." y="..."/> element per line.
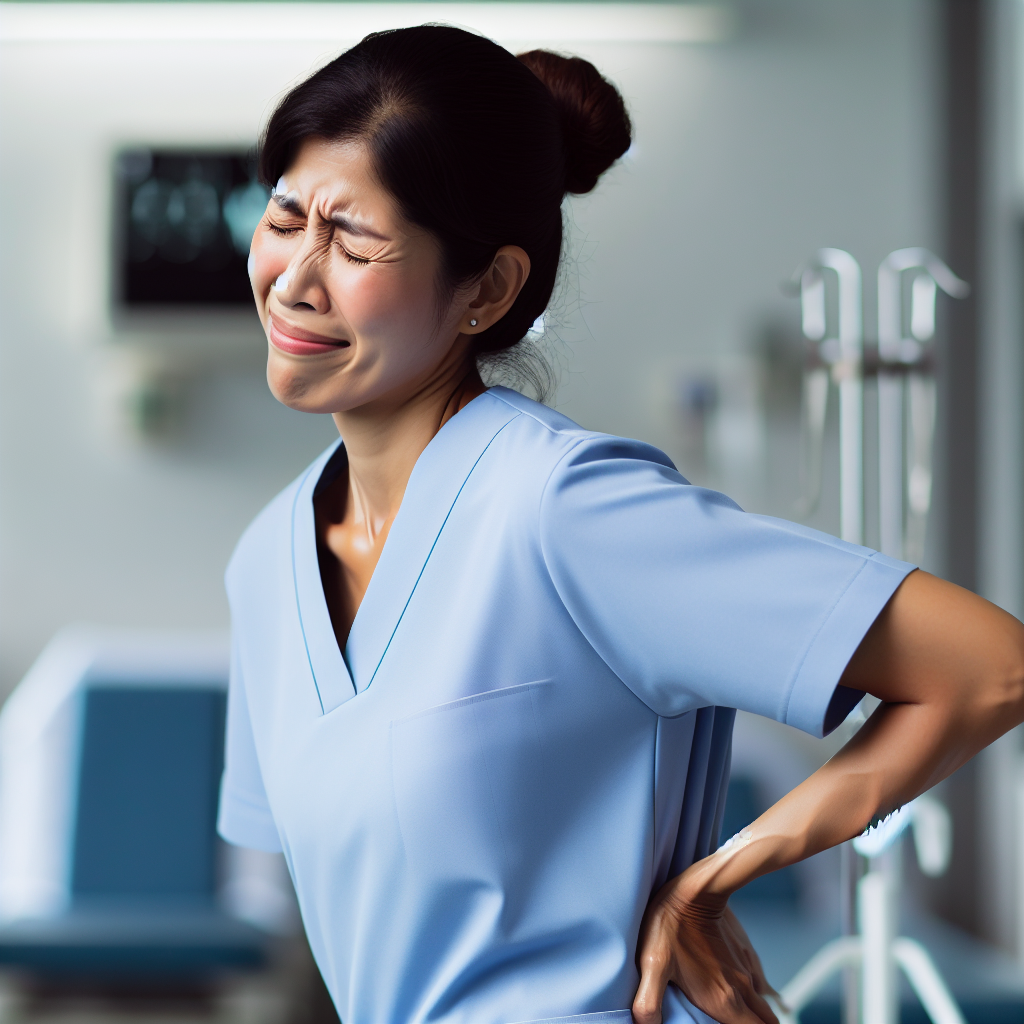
<point x="483" y="658"/>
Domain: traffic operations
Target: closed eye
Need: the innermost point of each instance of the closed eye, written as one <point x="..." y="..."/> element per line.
<point x="278" y="230"/>
<point x="361" y="261"/>
<point x="352" y="258"/>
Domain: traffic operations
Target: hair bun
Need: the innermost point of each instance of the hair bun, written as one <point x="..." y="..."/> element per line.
<point x="595" y="124"/>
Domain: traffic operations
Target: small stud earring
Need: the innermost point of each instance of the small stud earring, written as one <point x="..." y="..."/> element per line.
<point x="472" y="323"/>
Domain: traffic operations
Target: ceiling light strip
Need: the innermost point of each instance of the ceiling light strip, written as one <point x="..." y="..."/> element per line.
<point x="347" y="22"/>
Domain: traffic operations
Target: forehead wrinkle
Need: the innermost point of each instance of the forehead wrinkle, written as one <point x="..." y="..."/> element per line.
<point x="311" y="254"/>
<point x="335" y="212"/>
<point x="324" y="231"/>
<point x="320" y="251"/>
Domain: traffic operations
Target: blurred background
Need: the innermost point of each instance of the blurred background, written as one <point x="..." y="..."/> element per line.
<point x="138" y="438"/>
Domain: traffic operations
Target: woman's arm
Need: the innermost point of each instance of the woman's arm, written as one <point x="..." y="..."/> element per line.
<point x="949" y="669"/>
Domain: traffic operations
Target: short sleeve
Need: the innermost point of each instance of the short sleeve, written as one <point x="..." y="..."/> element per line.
<point x="693" y="602"/>
<point x="244" y="818"/>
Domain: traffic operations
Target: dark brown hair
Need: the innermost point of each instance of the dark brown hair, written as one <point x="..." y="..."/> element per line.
<point x="476" y="145"/>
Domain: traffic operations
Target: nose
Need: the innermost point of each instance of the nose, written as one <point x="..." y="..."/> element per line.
<point x="301" y="287"/>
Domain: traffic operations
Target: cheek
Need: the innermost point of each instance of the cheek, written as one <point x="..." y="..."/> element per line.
<point x="398" y="308"/>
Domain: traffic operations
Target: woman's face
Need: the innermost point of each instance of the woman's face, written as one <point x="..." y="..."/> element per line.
<point x="347" y="288"/>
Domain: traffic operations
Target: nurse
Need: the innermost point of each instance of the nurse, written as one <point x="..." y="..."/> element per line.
<point x="483" y="658"/>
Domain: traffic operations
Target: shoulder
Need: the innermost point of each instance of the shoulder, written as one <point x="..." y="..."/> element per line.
<point x="546" y="476"/>
<point x="547" y="443"/>
<point x="267" y="539"/>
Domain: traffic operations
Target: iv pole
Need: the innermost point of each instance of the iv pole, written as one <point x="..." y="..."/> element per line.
<point x="876" y="950"/>
<point x="841" y="358"/>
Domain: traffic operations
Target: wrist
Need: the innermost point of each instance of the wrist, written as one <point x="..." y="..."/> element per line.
<point x="699" y="890"/>
<point x="738" y="861"/>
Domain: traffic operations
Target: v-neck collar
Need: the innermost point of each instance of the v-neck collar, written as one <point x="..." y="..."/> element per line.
<point x="437" y="479"/>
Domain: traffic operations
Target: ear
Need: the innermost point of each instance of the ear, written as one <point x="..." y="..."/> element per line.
<point x="497" y="290"/>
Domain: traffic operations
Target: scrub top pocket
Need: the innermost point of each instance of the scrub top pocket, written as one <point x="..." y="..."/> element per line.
<point x="468" y="781"/>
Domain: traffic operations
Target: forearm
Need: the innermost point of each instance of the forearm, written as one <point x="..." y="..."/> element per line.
<point x="950" y="669"/>
<point x="901" y="751"/>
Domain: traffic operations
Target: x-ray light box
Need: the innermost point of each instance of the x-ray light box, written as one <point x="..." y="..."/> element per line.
<point x="184" y="220"/>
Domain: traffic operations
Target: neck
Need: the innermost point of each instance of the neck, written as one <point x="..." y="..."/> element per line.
<point x="384" y="440"/>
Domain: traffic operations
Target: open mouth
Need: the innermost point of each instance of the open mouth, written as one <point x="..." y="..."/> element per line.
<point x="298" y="342"/>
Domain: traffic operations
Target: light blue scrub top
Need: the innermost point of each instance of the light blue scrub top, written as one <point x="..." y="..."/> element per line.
<point x="529" y="731"/>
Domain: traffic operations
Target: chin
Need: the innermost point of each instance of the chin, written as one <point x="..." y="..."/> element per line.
<point x="297" y="391"/>
<point x="309" y="392"/>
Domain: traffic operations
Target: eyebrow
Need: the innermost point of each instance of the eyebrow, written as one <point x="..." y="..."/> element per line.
<point x="352" y="228"/>
<point x="290" y="202"/>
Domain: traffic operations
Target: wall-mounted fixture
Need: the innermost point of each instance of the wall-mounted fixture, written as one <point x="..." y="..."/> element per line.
<point x="184" y="220"/>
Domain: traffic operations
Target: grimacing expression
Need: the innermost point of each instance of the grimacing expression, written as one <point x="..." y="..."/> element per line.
<point x="345" y="286"/>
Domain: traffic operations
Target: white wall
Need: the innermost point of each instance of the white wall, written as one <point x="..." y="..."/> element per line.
<point x="814" y="126"/>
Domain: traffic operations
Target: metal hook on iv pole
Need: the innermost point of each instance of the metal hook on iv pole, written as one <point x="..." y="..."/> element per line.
<point x="893" y="349"/>
<point x="844" y="354"/>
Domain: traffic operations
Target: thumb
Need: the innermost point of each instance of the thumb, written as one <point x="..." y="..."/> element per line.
<point x="653" y="982"/>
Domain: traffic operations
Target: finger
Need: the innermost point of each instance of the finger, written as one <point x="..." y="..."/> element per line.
<point x="737" y="937"/>
<point x="762" y="986"/>
<point x="779" y="1005"/>
<point x="760" y="1006"/>
<point x="747" y="954"/>
<point x="757" y="976"/>
<point x="742" y="953"/>
<point x="731" y="1004"/>
<point x="654" y="978"/>
<point x="738" y="947"/>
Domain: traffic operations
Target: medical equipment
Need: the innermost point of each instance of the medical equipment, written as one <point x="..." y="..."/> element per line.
<point x="841" y="357"/>
<point x="877" y="950"/>
<point x="902" y="360"/>
<point x="903" y="364"/>
<point x="183" y="223"/>
<point x="907" y="358"/>
<point x="110" y="870"/>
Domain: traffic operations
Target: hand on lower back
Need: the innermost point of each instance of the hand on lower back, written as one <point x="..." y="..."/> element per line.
<point x="696" y="943"/>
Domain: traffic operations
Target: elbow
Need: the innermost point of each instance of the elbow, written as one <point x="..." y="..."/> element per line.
<point x="1003" y="693"/>
<point x="1010" y="698"/>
